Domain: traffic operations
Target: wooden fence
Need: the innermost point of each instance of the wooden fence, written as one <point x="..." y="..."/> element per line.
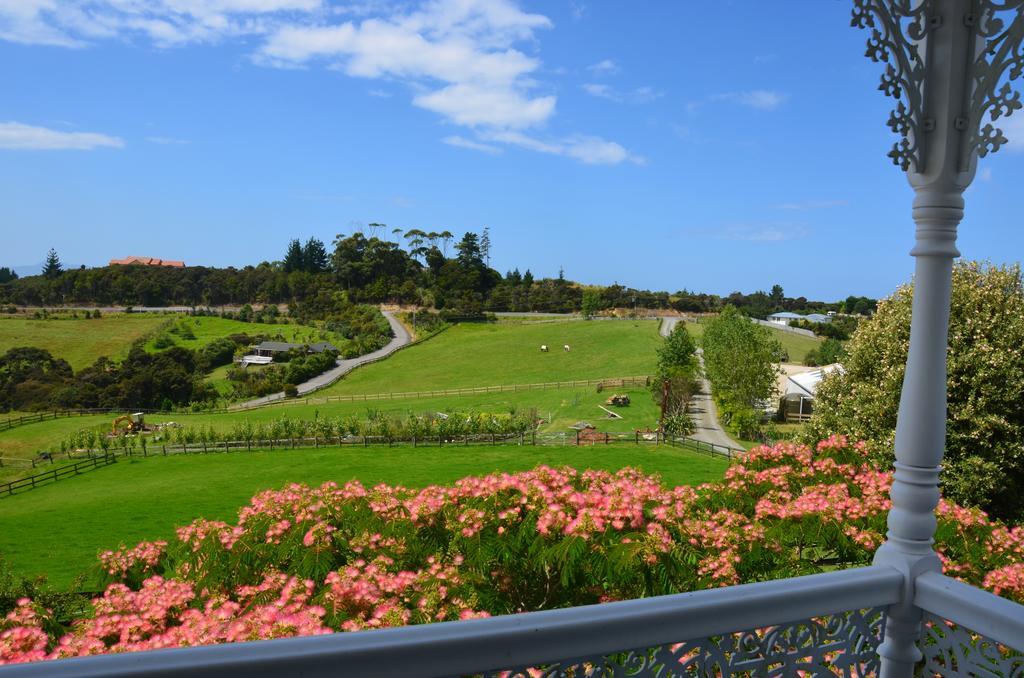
<point x="574" y="439"/>
<point x="617" y="382"/>
<point x="77" y="468"/>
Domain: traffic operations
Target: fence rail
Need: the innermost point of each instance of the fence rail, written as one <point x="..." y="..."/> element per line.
<point x="522" y="438"/>
<point x="616" y="382"/>
<point x="77" y="468"/>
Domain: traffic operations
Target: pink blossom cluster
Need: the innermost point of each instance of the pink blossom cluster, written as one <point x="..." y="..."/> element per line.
<point x="144" y="556"/>
<point x="303" y="560"/>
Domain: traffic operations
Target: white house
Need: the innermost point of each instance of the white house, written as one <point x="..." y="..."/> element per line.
<point x="800" y="390"/>
<point x="787" y="318"/>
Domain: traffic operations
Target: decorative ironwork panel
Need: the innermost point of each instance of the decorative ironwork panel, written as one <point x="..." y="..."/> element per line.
<point x="999" y="63"/>
<point x="845" y="644"/>
<point x="899" y="29"/>
<point x="896" y="28"/>
<point x="951" y="650"/>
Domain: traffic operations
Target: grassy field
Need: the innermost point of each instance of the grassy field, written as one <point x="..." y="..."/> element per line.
<point x="504" y="353"/>
<point x="205" y="329"/>
<point x="57" y="530"/>
<point x="796" y="345"/>
<point x="79" y="341"/>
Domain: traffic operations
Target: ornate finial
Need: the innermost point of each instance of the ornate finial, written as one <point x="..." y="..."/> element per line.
<point x="999" y="63"/>
<point x="896" y="26"/>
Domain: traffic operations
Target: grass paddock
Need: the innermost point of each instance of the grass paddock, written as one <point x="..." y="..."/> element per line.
<point x="58" y="530"/>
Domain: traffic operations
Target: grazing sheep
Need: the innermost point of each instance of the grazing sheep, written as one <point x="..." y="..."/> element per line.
<point x="566" y="347"/>
<point x="544" y="348"/>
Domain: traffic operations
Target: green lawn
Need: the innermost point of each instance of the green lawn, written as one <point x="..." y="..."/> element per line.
<point x="205" y="329"/>
<point x="489" y="354"/>
<point x="796" y="345"/>
<point x="57" y="530"/>
<point x="79" y="341"/>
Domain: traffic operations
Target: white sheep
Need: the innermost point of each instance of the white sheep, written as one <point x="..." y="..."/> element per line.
<point x="544" y="348"/>
<point x="566" y="347"/>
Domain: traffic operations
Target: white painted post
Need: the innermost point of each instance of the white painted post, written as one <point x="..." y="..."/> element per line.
<point x="938" y="72"/>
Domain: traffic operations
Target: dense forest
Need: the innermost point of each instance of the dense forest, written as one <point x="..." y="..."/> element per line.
<point x="414" y="267"/>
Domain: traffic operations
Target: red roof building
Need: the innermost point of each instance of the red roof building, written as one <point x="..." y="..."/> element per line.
<point x="147" y="261"/>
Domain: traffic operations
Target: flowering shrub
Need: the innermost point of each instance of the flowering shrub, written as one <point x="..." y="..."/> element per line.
<point x="304" y="560"/>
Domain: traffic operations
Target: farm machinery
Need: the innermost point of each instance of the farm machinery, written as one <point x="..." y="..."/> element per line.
<point x="130" y="423"/>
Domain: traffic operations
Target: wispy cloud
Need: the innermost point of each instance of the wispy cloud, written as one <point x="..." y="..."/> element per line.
<point x="325" y="197"/>
<point x="403" y="201"/>
<point x="640" y="95"/>
<point x="689" y="135"/>
<point x="462" y="142"/>
<point x="587" y="149"/>
<point x="167" y="141"/>
<point x="472" y="62"/>
<point x="758" y="99"/>
<point x="21" y="137"/>
<point x="577" y="9"/>
<point x="753" y="232"/>
<point x="604" y="67"/>
<point x="811" y="205"/>
<point x="379" y="93"/>
<point x="1013" y="128"/>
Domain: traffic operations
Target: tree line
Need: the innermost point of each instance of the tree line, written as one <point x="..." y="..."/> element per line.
<point x="426" y="268"/>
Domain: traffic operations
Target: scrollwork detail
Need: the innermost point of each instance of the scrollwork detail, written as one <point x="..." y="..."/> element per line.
<point x="896" y="28"/>
<point x="844" y="644"/>
<point x="999" y="63"/>
<point x="951" y="650"/>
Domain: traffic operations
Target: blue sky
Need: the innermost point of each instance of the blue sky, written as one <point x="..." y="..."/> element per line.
<point x="717" y="146"/>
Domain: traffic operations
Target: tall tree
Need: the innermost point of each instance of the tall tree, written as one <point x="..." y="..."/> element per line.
<point x="294" y="258"/>
<point x="485" y="245"/>
<point x="314" y="256"/>
<point x="741" y="359"/>
<point x="52" y="268"/>
<point x="675" y="381"/>
<point x="470" y="255"/>
<point x="7" y="275"/>
<point x="777" y="295"/>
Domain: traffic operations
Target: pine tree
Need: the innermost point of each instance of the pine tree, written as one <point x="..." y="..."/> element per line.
<point x="314" y="256"/>
<point x="485" y="245"/>
<point x="53" y="267"/>
<point x="294" y="259"/>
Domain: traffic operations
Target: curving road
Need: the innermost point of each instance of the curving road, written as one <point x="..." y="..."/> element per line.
<point x="702" y="407"/>
<point x="402" y="338"/>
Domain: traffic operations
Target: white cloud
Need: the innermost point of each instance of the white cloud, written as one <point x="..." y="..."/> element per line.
<point x="470" y="61"/>
<point x="812" y="205"/>
<point x="473" y="105"/>
<point x="167" y="141"/>
<point x="462" y="142"/>
<point x="759" y="99"/>
<point x="76" y="23"/>
<point x="604" y="67"/>
<point x="1013" y="129"/>
<point x="773" y="232"/>
<point x="640" y="95"/>
<point x="17" y="136"/>
<point x="587" y="149"/>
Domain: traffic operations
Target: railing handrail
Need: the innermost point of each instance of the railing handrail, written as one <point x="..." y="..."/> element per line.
<point x="534" y="638"/>
<point x="1000" y="619"/>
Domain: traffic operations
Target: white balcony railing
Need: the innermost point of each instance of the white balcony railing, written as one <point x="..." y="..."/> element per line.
<point x="818" y="624"/>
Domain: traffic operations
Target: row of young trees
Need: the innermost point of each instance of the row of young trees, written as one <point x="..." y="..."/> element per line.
<point x="327" y="430"/>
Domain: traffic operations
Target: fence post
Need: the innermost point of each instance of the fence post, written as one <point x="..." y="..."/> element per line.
<point x="606" y="438"/>
<point x="577" y="438"/>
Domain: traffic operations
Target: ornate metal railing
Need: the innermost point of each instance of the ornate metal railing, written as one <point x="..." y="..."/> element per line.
<point x="825" y="624"/>
<point x="967" y="631"/>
